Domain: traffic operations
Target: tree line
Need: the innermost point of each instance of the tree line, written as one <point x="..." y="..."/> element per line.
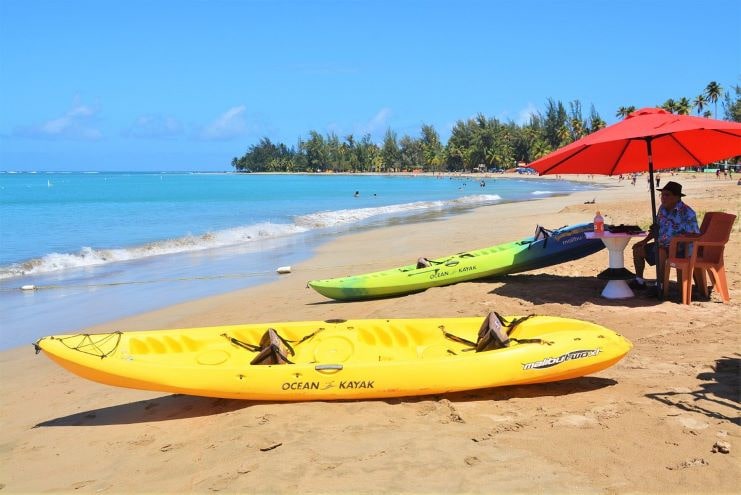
<point x="473" y="143"/>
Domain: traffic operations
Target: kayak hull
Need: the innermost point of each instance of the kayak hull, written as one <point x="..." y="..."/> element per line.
<point x="354" y="359"/>
<point x="561" y="245"/>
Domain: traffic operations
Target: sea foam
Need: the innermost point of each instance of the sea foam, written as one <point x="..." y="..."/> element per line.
<point x="88" y="256"/>
<point x="344" y="217"/>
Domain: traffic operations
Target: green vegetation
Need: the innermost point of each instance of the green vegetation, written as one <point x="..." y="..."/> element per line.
<point x="476" y="142"/>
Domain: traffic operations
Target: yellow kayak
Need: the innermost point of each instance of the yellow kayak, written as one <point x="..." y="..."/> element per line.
<point x="342" y="359"/>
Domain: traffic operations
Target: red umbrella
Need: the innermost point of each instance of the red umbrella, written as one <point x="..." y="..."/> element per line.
<point x="648" y="139"/>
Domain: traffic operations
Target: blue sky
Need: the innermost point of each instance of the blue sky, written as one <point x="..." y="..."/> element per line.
<point x="187" y="85"/>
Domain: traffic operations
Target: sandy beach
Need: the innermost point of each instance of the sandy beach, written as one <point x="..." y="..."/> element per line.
<point x="657" y="422"/>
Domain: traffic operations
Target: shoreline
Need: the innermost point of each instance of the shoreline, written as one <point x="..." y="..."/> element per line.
<point x="12" y="266"/>
<point x="645" y="425"/>
<point x="126" y="287"/>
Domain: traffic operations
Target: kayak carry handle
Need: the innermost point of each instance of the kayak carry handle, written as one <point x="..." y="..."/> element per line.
<point x="328" y="367"/>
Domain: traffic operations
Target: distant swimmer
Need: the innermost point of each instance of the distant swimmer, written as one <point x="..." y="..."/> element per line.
<point x="357" y="193"/>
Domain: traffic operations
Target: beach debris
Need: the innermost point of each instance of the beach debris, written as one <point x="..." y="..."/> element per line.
<point x="283" y="269"/>
<point x="81" y="484"/>
<point x="266" y="449"/>
<point x="722" y="447"/>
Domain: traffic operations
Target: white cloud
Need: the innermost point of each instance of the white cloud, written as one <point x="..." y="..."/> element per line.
<point x="378" y="123"/>
<point x="523" y="116"/>
<point x="229" y="125"/>
<point x="154" y="127"/>
<point x="76" y="124"/>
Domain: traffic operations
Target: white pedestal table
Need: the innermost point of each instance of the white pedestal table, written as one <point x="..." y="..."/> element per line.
<point x="616" y="274"/>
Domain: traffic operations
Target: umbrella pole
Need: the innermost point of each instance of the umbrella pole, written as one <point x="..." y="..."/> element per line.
<point x="659" y="267"/>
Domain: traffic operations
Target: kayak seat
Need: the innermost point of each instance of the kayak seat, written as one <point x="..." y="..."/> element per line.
<point x="427" y="262"/>
<point x="541" y="233"/>
<point x="274" y="349"/>
<point x="423" y="263"/>
<point x="492" y="334"/>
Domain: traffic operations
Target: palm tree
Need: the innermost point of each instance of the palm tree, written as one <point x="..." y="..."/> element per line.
<point x="595" y="121"/>
<point x="491" y="156"/>
<point x="713" y="91"/>
<point x="699" y="103"/>
<point x="670" y="105"/>
<point x="564" y="136"/>
<point x="625" y="111"/>
<point x="683" y="106"/>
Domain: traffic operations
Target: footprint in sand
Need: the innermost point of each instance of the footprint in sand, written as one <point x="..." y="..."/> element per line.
<point x="610" y="411"/>
<point x="142" y="441"/>
<point x="218" y="483"/>
<point x="425" y="408"/>
<point x="453" y="415"/>
<point x="222" y="482"/>
<point x="692" y="423"/>
<point x="264" y="419"/>
<point x="501" y="428"/>
<point x="575" y="421"/>
<point x="696" y="462"/>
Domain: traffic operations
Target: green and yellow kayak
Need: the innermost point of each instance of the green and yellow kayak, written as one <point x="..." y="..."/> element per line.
<point x="353" y="359"/>
<point x="545" y="248"/>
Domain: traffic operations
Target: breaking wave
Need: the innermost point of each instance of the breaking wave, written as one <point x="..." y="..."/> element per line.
<point x="344" y="217"/>
<point x="88" y="256"/>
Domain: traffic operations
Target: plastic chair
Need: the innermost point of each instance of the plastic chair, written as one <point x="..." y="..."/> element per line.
<point x="706" y="257"/>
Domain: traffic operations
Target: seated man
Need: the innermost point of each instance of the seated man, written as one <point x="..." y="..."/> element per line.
<point x="674" y="218"/>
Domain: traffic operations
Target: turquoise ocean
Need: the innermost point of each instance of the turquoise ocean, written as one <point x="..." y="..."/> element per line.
<point x="100" y="246"/>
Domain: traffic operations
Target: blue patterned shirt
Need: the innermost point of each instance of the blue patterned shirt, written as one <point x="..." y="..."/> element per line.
<point x="680" y="220"/>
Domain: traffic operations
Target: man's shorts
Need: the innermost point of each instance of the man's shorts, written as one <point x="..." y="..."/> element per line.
<point x="650" y="250"/>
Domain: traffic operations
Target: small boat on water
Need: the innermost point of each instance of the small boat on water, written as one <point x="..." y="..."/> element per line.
<point x="544" y="248"/>
<point x="342" y="359"/>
